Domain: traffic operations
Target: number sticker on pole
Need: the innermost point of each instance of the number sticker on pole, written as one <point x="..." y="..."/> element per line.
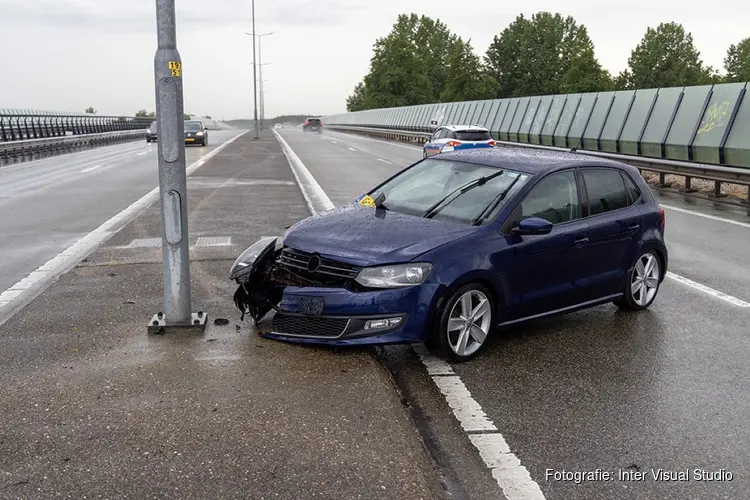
<point x="176" y="68"/>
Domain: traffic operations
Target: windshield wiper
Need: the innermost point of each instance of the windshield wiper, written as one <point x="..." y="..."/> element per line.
<point x="488" y="210"/>
<point x="437" y="207"/>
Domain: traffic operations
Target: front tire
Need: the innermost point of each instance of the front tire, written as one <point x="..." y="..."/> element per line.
<point x="643" y="283"/>
<point x="465" y="320"/>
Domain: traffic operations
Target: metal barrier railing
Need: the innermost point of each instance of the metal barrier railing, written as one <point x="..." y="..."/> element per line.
<point x="23" y="135"/>
<point x="719" y="174"/>
<point x="18" y="127"/>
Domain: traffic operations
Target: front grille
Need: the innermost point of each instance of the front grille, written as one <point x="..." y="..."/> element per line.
<point x="330" y="272"/>
<point x="309" y="326"/>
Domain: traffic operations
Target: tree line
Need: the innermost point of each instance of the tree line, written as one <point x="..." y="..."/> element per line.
<point x="420" y="62"/>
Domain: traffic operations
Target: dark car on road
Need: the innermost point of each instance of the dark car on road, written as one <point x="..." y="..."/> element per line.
<point x="458" y="244"/>
<point x="151" y="132"/>
<point x="196" y="133"/>
<point x="313" y="125"/>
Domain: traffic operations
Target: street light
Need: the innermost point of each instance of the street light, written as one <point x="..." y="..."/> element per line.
<point x="260" y="65"/>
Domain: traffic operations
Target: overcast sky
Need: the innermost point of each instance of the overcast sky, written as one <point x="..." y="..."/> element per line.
<point x="66" y="55"/>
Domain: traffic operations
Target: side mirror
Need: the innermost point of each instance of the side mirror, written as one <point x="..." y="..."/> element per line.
<point x="532" y="225"/>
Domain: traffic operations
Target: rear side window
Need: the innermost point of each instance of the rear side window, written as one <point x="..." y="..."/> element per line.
<point x="606" y="190"/>
<point x="472" y="135"/>
<point x="633" y="192"/>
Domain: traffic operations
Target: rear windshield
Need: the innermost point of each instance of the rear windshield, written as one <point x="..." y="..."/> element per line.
<point x="314" y="120"/>
<point x="193" y="126"/>
<point x="472" y="135"/>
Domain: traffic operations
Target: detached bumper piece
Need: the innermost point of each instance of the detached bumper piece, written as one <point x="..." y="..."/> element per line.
<point x="335" y="327"/>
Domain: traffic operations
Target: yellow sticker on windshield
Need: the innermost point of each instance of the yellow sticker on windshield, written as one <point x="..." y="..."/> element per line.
<point x="367" y="201"/>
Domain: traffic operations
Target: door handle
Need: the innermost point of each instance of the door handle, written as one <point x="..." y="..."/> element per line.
<point x="632" y="228"/>
<point x="580" y="242"/>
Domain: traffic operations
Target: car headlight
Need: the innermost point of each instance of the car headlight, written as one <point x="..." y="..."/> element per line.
<point x="199" y="134"/>
<point x="246" y="263"/>
<point x="396" y="276"/>
<point x="148" y="130"/>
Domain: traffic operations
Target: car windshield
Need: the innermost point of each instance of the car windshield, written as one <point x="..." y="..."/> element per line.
<point x="427" y="184"/>
<point x="152" y="126"/>
<point x="193" y="126"/>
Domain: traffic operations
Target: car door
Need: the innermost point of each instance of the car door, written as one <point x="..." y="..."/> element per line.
<point x="616" y="228"/>
<point x="433" y="147"/>
<point x="544" y="272"/>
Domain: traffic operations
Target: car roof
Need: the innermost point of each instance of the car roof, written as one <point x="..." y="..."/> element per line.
<point x="530" y="161"/>
<point x="464" y="127"/>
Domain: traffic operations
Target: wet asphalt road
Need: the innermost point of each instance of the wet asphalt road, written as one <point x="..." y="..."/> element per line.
<point x="49" y="204"/>
<point x="663" y="389"/>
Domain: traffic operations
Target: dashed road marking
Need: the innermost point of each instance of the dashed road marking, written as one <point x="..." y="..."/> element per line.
<point x="706" y="289"/>
<point x="214" y="241"/>
<point x="352" y="149"/>
<point x="28" y="288"/>
<point x="145" y="243"/>
<point x="385" y="161"/>
<point x="91" y="169"/>
<point x="512" y="477"/>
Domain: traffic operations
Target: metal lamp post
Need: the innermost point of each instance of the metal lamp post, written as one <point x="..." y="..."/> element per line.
<point x="172" y="179"/>
<point x="259" y="65"/>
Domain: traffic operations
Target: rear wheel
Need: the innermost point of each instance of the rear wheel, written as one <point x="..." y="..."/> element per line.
<point x="465" y="320"/>
<point x="643" y="283"/>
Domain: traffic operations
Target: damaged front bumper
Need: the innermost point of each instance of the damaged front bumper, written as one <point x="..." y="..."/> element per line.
<point x="337" y="312"/>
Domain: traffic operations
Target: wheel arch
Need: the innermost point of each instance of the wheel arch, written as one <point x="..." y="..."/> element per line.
<point x="481" y="277"/>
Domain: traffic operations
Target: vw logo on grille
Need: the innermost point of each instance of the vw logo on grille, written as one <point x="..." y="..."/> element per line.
<point x="313" y="264"/>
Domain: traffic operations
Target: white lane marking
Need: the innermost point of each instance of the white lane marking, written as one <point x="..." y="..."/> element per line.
<point x="334" y="142"/>
<point x="31" y="286"/>
<point x="706" y="216"/>
<point x="512" y="477"/>
<point x="214" y="241"/>
<point x="352" y="149"/>
<point x="316" y="198"/>
<point x="143" y="152"/>
<point x="145" y="243"/>
<point x="91" y="169"/>
<point x="703" y="288"/>
<point x="385" y="161"/>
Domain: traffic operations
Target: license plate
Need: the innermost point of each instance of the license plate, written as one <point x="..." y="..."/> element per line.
<point x="190" y="140"/>
<point x="312" y="306"/>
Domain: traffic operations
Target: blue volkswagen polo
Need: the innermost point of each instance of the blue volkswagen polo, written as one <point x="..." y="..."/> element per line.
<point x="456" y="245"/>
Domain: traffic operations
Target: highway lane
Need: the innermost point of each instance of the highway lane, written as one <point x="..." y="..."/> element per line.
<point x="49" y="204"/>
<point x="664" y="389"/>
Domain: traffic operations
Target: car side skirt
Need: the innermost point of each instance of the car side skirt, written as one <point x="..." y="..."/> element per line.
<point x="564" y="310"/>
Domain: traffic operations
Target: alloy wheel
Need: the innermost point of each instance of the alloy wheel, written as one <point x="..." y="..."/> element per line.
<point x="645" y="281"/>
<point x="469" y="323"/>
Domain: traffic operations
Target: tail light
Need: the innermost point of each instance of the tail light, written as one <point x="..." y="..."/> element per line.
<point x="321" y="123"/>
<point x="491" y="143"/>
<point x="307" y="122"/>
<point x="662" y="219"/>
<point x="453" y="144"/>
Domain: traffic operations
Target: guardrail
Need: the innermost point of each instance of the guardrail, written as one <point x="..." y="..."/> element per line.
<point x="717" y="173"/>
<point x="18" y="127"/>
